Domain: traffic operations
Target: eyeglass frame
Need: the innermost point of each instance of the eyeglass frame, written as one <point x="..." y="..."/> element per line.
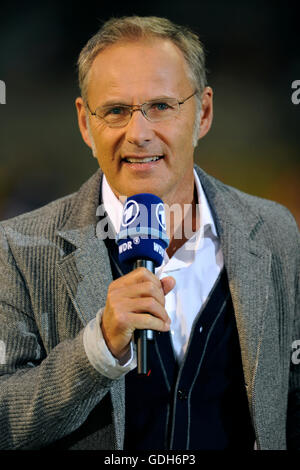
<point x="137" y="107"/>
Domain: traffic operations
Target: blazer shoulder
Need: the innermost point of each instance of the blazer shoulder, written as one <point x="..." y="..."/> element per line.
<point x="279" y="224"/>
<point x="269" y="210"/>
<point x="268" y="220"/>
<point x="272" y="212"/>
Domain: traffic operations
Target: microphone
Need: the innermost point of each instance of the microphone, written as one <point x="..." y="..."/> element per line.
<point x="142" y="240"/>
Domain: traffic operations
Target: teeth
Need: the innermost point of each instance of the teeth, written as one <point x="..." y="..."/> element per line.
<point x="142" y="160"/>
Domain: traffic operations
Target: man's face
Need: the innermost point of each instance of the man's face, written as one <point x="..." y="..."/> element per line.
<point x="132" y="73"/>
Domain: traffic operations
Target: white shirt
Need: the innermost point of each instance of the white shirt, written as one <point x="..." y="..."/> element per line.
<point x="195" y="266"/>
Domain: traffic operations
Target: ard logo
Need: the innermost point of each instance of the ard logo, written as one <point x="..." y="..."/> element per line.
<point x="2" y="92"/>
<point x="130" y="212"/>
<point x="160" y="215"/>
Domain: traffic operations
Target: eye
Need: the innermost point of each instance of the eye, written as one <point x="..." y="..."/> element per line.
<point x="160" y="106"/>
<point x="115" y="111"/>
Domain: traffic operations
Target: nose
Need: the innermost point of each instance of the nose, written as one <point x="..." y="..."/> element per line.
<point x="139" y="130"/>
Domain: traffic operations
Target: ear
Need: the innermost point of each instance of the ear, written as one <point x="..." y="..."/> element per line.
<point x="82" y="121"/>
<point x="206" y="112"/>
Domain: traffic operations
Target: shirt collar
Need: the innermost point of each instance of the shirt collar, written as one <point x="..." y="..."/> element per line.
<point x="206" y="218"/>
<point x="185" y="255"/>
<point x="112" y="205"/>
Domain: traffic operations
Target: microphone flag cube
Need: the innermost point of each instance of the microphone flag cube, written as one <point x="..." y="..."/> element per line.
<point x="143" y="230"/>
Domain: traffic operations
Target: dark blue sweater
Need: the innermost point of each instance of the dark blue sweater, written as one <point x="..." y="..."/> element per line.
<point x="202" y="404"/>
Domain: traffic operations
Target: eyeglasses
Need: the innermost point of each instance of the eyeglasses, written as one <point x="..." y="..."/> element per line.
<point x="119" y="115"/>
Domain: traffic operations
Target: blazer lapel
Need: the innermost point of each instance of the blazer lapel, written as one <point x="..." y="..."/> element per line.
<point x="248" y="265"/>
<point x="86" y="270"/>
<point x="87" y="275"/>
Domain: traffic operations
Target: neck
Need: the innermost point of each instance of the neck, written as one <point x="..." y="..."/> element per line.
<point x="184" y="220"/>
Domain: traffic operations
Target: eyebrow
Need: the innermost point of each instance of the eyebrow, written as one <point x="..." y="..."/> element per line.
<point x="112" y="103"/>
<point x="119" y="103"/>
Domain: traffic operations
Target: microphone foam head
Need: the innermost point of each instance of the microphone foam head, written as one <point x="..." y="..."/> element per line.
<point x="143" y="229"/>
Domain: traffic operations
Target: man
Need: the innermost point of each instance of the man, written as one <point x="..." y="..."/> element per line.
<point x="223" y="304"/>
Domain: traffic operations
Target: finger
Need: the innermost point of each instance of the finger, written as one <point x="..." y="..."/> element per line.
<point x="146" y="304"/>
<point x="167" y="283"/>
<point x="144" y="321"/>
<point x="134" y="277"/>
<point x="144" y="289"/>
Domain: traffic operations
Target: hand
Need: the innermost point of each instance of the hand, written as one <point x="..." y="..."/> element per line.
<point x="134" y="301"/>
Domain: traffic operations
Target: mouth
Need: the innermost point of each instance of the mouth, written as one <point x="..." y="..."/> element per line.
<point x="142" y="160"/>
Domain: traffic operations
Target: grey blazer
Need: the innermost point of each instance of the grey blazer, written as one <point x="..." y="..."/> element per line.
<point x="54" y="275"/>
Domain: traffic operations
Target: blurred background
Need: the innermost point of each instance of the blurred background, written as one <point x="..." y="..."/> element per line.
<point x="253" y="56"/>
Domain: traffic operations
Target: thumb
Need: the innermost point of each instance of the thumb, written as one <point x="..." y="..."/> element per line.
<point x="167" y="284"/>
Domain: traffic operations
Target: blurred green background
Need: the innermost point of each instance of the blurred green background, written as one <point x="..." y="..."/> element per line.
<point x="252" y="57"/>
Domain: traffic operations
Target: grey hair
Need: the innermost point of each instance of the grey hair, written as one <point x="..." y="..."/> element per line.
<point x="133" y="28"/>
